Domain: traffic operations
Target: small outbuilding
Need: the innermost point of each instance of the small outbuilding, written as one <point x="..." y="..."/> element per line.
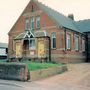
<point x="3" y="50"/>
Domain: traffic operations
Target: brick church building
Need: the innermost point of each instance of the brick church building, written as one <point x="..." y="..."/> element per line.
<point x="43" y="34"/>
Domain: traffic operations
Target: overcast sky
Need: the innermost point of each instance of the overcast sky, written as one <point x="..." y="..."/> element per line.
<point x="10" y="10"/>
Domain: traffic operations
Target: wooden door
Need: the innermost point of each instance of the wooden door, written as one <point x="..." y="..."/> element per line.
<point x="18" y="50"/>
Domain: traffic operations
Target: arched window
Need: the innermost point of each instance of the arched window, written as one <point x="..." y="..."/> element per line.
<point x="27" y="26"/>
<point x="32" y="9"/>
<point x="68" y="41"/>
<point x="83" y="44"/>
<point x="76" y="42"/>
<point x="38" y="22"/>
<point x="53" y="40"/>
<point x="32" y="23"/>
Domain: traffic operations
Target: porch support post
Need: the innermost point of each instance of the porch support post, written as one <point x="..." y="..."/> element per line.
<point x="29" y="43"/>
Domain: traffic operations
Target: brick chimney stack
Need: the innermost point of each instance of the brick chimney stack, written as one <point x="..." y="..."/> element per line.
<point x="71" y="16"/>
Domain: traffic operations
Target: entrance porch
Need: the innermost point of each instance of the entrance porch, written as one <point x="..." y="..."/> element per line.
<point x="33" y="46"/>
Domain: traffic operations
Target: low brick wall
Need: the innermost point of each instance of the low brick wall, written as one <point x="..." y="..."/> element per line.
<point x="14" y="71"/>
<point x="43" y="73"/>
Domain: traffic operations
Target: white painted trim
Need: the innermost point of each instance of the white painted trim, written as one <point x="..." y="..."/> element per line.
<point x="67" y="38"/>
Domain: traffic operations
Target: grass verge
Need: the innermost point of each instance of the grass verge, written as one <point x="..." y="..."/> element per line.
<point x="32" y="66"/>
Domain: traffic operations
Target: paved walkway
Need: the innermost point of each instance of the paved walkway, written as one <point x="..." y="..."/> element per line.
<point x="76" y="78"/>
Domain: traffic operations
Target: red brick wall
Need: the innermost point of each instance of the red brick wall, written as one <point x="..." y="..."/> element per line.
<point x="48" y="24"/>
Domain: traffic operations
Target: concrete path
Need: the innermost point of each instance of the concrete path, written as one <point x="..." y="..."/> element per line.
<point x="76" y="78"/>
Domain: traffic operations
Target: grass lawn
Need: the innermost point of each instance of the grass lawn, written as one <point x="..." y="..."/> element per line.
<point x="37" y="66"/>
<point x="32" y="66"/>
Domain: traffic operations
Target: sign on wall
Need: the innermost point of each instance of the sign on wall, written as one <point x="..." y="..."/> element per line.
<point x="18" y="50"/>
<point x="41" y="49"/>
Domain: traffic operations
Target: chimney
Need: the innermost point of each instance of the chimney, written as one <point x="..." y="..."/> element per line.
<point x="71" y="16"/>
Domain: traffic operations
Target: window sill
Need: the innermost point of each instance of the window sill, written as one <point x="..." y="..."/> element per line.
<point x="68" y="49"/>
<point x="32" y="48"/>
<point x="53" y="48"/>
<point x="37" y="28"/>
<point x="32" y="29"/>
<point x="77" y="50"/>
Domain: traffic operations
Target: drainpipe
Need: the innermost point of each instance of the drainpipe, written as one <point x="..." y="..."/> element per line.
<point x="86" y="48"/>
<point x="65" y="37"/>
<point x="49" y="49"/>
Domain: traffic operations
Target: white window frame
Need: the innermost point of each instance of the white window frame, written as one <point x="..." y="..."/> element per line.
<point x="32" y="20"/>
<point x="83" y="44"/>
<point x="76" y="42"/>
<point x="31" y="46"/>
<point x="27" y="26"/>
<point x="37" y="21"/>
<point x="68" y="41"/>
<point x="53" y="36"/>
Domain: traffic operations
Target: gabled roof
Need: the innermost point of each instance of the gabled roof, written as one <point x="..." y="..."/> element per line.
<point x="83" y="25"/>
<point x="3" y="45"/>
<point x="24" y="35"/>
<point x="61" y="20"/>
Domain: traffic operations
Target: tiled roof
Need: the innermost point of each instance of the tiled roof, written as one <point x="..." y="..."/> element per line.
<point x="3" y="45"/>
<point x="83" y="25"/>
<point x="58" y="17"/>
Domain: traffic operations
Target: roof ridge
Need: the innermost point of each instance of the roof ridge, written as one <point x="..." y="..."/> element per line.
<point x="52" y="9"/>
<point x="83" y="20"/>
<point x="60" y="18"/>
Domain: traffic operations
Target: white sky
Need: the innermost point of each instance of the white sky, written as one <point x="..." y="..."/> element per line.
<point x="10" y="10"/>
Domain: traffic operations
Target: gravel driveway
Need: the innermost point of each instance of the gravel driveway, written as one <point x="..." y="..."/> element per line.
<point x="76" y="78"/>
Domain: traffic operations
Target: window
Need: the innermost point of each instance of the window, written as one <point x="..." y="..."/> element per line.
<point x="32" y="43"/>
<point x="83" y="45"/>
<point x="32" y="10"/>
<point x="27" y="27"/>
<point x="53" y="40"/>
<point x="32" y="23"/>
<point x="68" y="41"/>
<point x="38" y="22"/>
<point x="76" y="42"/>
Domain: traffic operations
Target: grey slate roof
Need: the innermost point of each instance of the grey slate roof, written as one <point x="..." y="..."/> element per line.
<point x="58" y="17"/>
<point x="3" y="45"/>
<point x="41" y="33"/>
<point x="83" y="25"/>
<point x="20" y="36"/>
<point x="61" y="20"/>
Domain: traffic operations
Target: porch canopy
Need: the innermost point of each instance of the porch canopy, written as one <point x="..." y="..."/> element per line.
<point x="26" y="35"/>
